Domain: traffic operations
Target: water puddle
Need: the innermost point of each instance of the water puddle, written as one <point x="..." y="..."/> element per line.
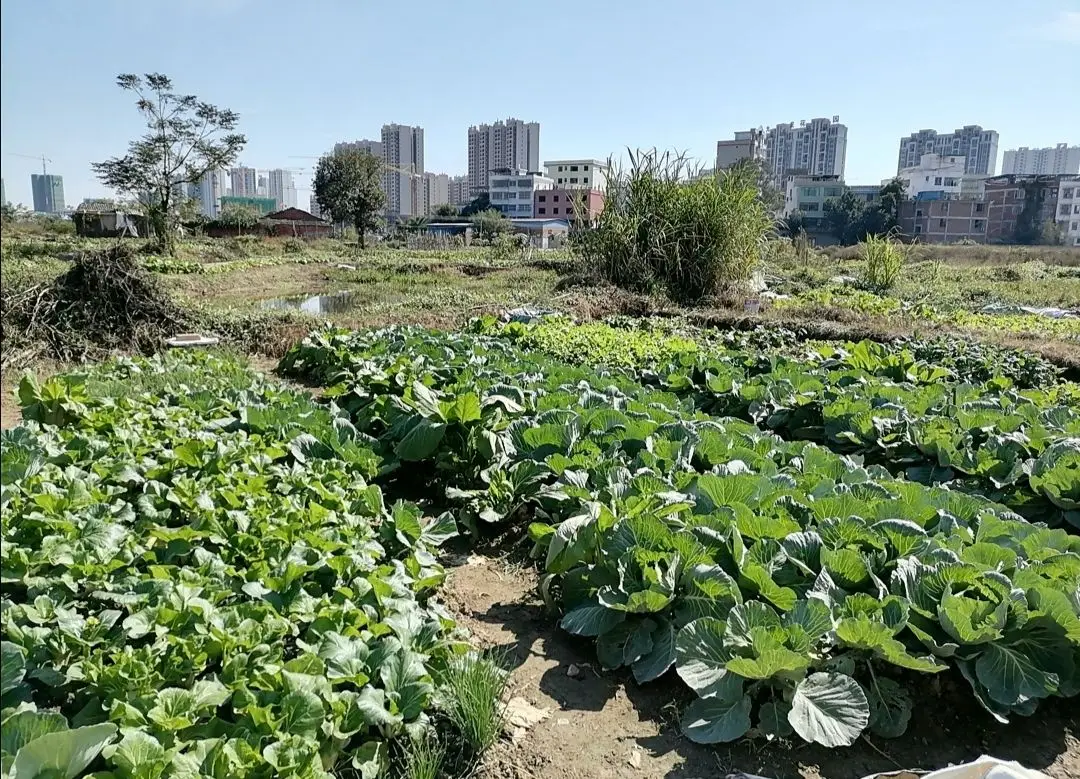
<point x="337" y="303"/>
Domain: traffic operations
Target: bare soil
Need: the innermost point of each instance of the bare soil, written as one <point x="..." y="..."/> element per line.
<point x="602" y="725"/>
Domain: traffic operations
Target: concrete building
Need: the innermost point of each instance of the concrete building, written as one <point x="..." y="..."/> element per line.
<point x="1007" y="197"/>
<point x="578" y="174"/>
<point x="867" y="193"/>
<point x="459" y="191"/>
<point x="1061" y="160"/>
<point x="403" y="178"/>
<point x="313" y="206"/>
<point x="512" y="190"/>
<point x="375" y="148"/>
<point x="979" y="147"/>
<point x="746" y="145"/>
<point x="48" y="191"/>
<point x="436" y="191"/>
<point x="209" y="190"/>
<point x="1068" y="213"/>
<point x="281" y="188"/>
<point x="814" y="148"/>
<point x="946" y="175"/>
<point x="569" y="204"/>
<point x="807" y="195"/>
<point x="945" y="220"/>
<point x="510" y="144"/>
<point x="263" y="190"/>
<point x="243" y="182"/>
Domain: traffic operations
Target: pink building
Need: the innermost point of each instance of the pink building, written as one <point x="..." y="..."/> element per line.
<point x="568" y="204"/>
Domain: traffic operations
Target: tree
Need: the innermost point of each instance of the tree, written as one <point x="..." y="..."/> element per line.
<point x="844" y="217"/>
<point x="479" y="203"/>
<point x="185" y="139"/>
<point x="239" y="215"/>
<point x="415" y="224"/>
<point x="445" y="209"/>
<point x="793" y="224"/>
<point x="888" y="203"/>
<point x="348" y="186"/>
<point x="489" y="224"/>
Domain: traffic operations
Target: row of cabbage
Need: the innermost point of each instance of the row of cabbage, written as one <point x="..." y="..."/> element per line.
<point x="201" y="580"/>
<point x="930" y="420"/>
<point x="793" y="589"/>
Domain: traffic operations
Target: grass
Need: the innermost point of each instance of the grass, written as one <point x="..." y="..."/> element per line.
<point x="424" y="758"/>
<point x="472" y="690"/>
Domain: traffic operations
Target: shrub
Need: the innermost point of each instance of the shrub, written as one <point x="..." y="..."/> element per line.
<point x="293" y="246"/>
<point x="884" y="259"/>
<point x="692" y="237"/>
<point x="472" y="689"/>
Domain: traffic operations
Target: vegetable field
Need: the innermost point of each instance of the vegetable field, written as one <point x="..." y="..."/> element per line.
<point x="206" y="574"/>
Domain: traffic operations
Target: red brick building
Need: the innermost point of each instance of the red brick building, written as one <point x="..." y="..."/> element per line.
<point x="1007" y="196"/>
<point x="569" y="204"/>
<point x="297" y="223"/>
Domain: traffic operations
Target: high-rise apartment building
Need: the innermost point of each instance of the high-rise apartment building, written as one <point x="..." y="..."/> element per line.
<point x="263" y="189"/>
<point x="374" y="148"/>
<point x="1062" y="160"/>
<point x="48" y="192"/>
<point x="313" y="206"/>
<point x="979" y="147"/>
<point x="244" y="182"/>
<point x="403" y="176"/>
<point x="208" y="191"/>
<point x="436" y="191"/>
<point x="510" y="144"/>
<point x="460" y="194"/>
<point x="280" y="187"/>
<point x="812" y="148"/>
<point x="746" y="145"/>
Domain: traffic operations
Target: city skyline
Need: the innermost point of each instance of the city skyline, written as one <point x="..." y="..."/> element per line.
<point x="659" y="101"/>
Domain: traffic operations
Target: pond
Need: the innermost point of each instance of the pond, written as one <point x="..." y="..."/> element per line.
<point x="336" y="303"/>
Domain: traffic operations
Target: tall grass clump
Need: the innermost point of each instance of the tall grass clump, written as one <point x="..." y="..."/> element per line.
<point x="471" y="692"/>
<point x="424" y="758"/>
<point x="884" y="259"/>
<point x="664" y="228"/>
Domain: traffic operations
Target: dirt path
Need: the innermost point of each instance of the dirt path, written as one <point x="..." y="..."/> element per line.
<point x="602" y="725"/>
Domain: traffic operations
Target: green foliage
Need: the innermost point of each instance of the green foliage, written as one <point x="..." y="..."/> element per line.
<point x="691" y="238"/>
<point x="185" y="139"/>
<point x="424" y="758"/>
<point x="348" y="186"/>
<point x="472" y="689"/>
<point x="851" y="220"/>
<point x="489" y="224"/>
<point x="884" y="260"/>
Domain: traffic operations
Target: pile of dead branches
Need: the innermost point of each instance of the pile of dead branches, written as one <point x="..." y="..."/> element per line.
<point x="107" y="302"/>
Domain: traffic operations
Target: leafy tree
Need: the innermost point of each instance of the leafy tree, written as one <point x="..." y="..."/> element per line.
<point x="415" y="224"/>
<point x="445" y="209"/>
<point x="793" y="224"/>
<point x="239" y="215"/>
<point x="489" y="224"/>
<point x="844" y="217"/>
<point x="348" y="186"/>
<point x="481" y="202"/>
<point x="185" y="139"/>
<point x="888" y="203"/>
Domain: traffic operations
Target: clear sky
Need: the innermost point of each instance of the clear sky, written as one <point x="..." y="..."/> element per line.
<point x="599" y="75"/>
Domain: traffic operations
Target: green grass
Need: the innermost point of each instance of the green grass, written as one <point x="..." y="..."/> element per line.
<point x="424" y="758"/>
<point x="472" y="688"/>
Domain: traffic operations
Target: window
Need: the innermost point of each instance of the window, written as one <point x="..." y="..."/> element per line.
<point x="585" y="180"/>
<point x="556" y="199"/>
<point x="569" y="211"/>
<point x="810" y="191"/>
<point x="542" y="198"/>
<point x="918" y="229"/>
<point x="941" y="223"/>
<point x="812" y="206"/>
<point x="980" y="207"/>
<point x="950" y="182"/>
<point x="573" y="180"/>
<point x="1065" y="209"/>
<point x="1076" y="209"/>
<point x="1074" y="227"/>
<point x="918" y="213"/>
<point x="977" y="224"/>
<point x="937" y="181"/>
<point x="1067" y="194"/>
<point x="560" y="181"/>
<point x="543" y="210"/>
<point x="586" y="167"/>
<point x="555" y="210"/>
<point x="560" y="170"/>
<point x="573" y="168"/>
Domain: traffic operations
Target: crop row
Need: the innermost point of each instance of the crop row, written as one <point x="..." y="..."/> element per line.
<point x="792" y="588"/>
<point x="201" y="580"/>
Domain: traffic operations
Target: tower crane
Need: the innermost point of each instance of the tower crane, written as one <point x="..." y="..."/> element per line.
<point x="41" y="157"/>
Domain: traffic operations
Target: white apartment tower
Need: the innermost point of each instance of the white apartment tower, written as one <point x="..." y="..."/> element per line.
<point x="244" y="182"/>
<point x="1061" y="160"/>
<point x="978" y="146"/>
<point x="812" y="148"/>
<point x="459" y="191"/>
<point x="280" y="187"/>
<point x="436" y="190"/>
<point x="510" y="144"/>
<point x="208" y="191"/>
<point x="403" y="178"/>
<point x="374" y="148"/>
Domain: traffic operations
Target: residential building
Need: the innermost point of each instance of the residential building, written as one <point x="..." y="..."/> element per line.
<point x="293" y="222"/>
<point x="979" y="148"/>
<point x="48" y="192"/>
<point x="746" y="145"/>
<point x="814" y="148"/>
<point x="459" y="191"/>
<point x="1007" y="197"/>
<point x="243" y="182"/>
<point x="1068" y="213"/>
<point x="208" y="191"/>
<point x="808" y="194"/>
<point x="1053" y="160"/>
<point x="375" y="148"/>
<point x="281" y="188"/>
<point x="569" y="204"/>
<point x="263" y="189"/>
<point x="945" y="220"/>
<point x="313" y="206"/>
<point x="866" y="193"/>
<point x="403" y="176"/>
<point x="436" y="191"/>
<point x="511" y="144"/>
<point x="578" y="174"/>
<point x="946" y="175"/>
<point x="512" y="190"/>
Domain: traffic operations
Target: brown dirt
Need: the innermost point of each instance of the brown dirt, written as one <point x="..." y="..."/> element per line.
<point x="604" y="726"/>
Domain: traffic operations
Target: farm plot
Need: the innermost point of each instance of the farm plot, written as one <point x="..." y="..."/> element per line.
<point x="201" y="580"/>
<point x="792" y="588"/>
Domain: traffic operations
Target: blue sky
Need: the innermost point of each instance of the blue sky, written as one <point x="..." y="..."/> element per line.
<point x="599" y="75"/>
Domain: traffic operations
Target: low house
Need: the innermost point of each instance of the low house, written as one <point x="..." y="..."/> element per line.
<point x="568" y="204"/>
<point x="296" y="223"/>
<point x="543" y="233"/>
<point x="109" y="223"/>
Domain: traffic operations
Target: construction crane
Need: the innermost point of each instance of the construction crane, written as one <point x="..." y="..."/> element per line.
<point x="410" y="171"/>
<point x="41" y="157"/>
